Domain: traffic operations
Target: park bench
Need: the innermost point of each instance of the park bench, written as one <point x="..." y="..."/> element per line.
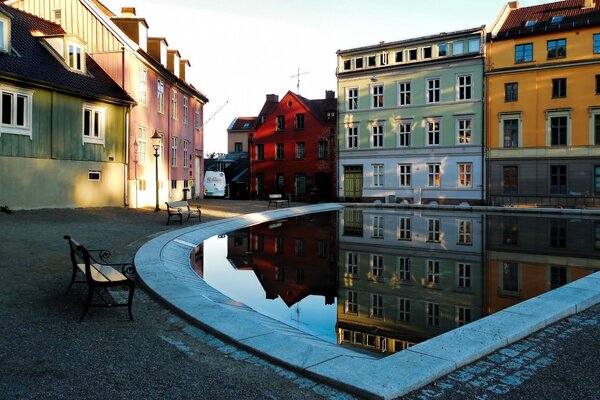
<point x="278" y="200"/>
<point x="100" y="275"/>
<point x="181" y="208"/>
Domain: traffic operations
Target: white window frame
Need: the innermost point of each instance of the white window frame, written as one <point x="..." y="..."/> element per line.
<point x="383" y="58"/>
<point x="550" y="114"/>
<point x="404" y="93"/>
<point x="505" y="117"/>
<point x="432" y="313"/>
<point x="142" y="144"/>
<point x="475" y="49"/>
<point x="404" y="130"/>
<point x="377" y="226"/>
<point x="463" y="275"/>
<point x="377" y="96"/>
<point x="376" y="309"/>
<point x="433" y="272"/>
<point x="98" y="137"/>
<point x="186" y="109"/>
<point x="160" y="96"/>
<point x="465" y="174"/>
<point x="465" y="232"/>
<point x="186" y="154"/>
<point x="351" y="303"/>
<point x="352" y="136"/>
<point x="5" y="31"/>
<point x="464" y="86"/>
<point x="408" y="53"/>
<point x="378" y="175"/>
<point x="352" y="99"/>
<point x="173" y="151"/>
<point x="593" y="113"/>
<point x="458" y="44"/>
<point x="352" y="263"/>
<point x="78" y="52"/>
<point x="405" y="175"/>
<point x="377" y="136"/>
<point x="405" y="228"/>
<point x="464" y="315"/>
<point x="143" y="87"/>
<point x="434" y="233"/>
<point x="12" y="127"/>
<point x="376" y="266"/>
<point x="434" y="136"/>
<point x="464" y="130"/>
<point x="433" y="87"/>
<point x="197" y="116"/>
<point x="434" y="170"/>
<point x="403" y="310"/>
<point x="174" y="103"/>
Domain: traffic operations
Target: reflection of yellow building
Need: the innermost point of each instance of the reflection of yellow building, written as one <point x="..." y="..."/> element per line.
<point x="543" y="87"/>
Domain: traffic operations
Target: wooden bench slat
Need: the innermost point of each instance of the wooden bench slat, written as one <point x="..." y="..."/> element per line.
<point x="103" y="273"/>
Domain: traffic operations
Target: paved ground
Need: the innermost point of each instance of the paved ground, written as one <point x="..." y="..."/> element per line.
<point x="46" y="354"/>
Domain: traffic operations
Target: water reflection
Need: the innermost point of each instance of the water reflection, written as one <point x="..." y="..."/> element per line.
<point x="385" y="279"/>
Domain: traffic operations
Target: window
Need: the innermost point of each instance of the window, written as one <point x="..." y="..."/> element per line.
<point x="197" y="116"/>
<point x="510" y="130"/>
<point x="371" y="61"/>
<point x="558" y="277"/>
<point x="186" y="109"/>
<point x="433" y="175"/>
<point x="378" y="175"/>
<point x="463" y="316"/>
<point x="399" y="56"/>
<point x="558" y="179"/>
<point x="75" y="56"/>
<point x="510" y="179"/>
<point x="463" y="128"/>
<point x="347" y="65"/>
<point x="358" y="63"/>
<point x="352" y="263"/>
<point x="352" y="96"/>
<point x="280" y="179"/>
<point x="556" y="49"/>
<point x="352" y="137"/>
<point x="404" y="129"/>
<point x="404" y="172"/>
<point x="143" y="87"/>
<point x="433" y="272"/>
<point x="376" y="306"/>
<point x="464" y="276"/>
<point x="260" y="184"/>
<point x="412" y="55"/>
<point x="442" y="50"/>
<point x="93" y="123"/>
<point x="186" y="154"/>
<point x="511" y="91"/>
<point x="173" y="104"/>
<point x="559" y="88"/>
<point x="404" y="229"/>
<point x="322" y="150"/>
<point x="464" y="232"/>
<point x="279" y="247"/>
<point x="142" y="144"/>
<point x="403" y="93"/>
<point x="377" y="96"/>
<point x="510" y="231"/>
<point x="510" y="278"/>
<point x="596" y="128"/>
<point x="300" y="151"/>
<point x="464" y="86"/>
<point x="351" y="302"/>
<point x="558" y="131"/>
<point x="465" y="171"/>
<point x="300" y="184"/>
<point x="142" y="185"/>
<point x="383" y="59"/>
<point x="4" y="34"/>
<point x="279" y="151"/>
<point x="173" y="151"/>
<point x="377" y="138"/>
<point x="16" y="111"/>
<point x="280" y="123"/>
<point x="596" y="47"/>
<point x="378" y="227"/>
<point x="458" y="48"/>
<point x="377" y="265"/>
<point x="260" y="152"/>
<point x="238" y="147"/>
<point x="160" y="96"/>
<point x="330" y="116"/>
<point x="433" y="314"/>
<point x="597" y="84"/>
<point x="404" y="268"/>
<point x="300" y="121"/>
<point x="94" y="176"/>
<point x="404" y="310"/>
<point x="426" y="53"/>
<point x="530" y="23"/>
<point x="433" y="90"/>
<point x="433" y="133"/>
<point x="524" y="53"/>
<point x="474" y="45"/>
<point x="433" y="230"/>
<point x="596" y="179"/>
<point x="558" y="233"/>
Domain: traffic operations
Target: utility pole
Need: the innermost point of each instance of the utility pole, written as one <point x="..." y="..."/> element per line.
<point x="298" y="79"/>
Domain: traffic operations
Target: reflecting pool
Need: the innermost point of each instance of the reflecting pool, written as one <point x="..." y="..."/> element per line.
<point x="385" y="279"/>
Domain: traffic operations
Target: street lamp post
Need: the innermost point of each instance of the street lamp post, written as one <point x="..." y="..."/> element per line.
<point x="157" y="137"/>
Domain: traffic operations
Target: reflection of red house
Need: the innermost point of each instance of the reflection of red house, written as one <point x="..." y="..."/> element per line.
<point x="293" y="148"/>
<point x="294" y="259"/>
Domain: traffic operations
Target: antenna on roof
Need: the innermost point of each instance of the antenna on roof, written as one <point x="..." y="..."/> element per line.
<point x="298" y="81"/>
<point x="211" y="117"/>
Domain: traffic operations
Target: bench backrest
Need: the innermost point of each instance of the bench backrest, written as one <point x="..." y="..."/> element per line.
<point x="275" y="196"/>
<point x="177" y="204"/>
<point x="79" y="255"/>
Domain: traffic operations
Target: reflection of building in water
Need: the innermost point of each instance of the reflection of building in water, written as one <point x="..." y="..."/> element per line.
<point x="407" y="276"/>
<point x="527" y="256"/>
<point x="291" y="258"/>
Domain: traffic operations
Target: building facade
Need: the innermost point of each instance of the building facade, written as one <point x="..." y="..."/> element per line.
<point x="543" y="105"/>
<point x="292" y="151"/>
<point x="155" y="76"/>
<point x="62" y="123"/>
<point x="410" y="123"/>
<point x="239" y="132"/>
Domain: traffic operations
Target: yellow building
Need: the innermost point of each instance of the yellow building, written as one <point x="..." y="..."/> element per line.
<point x="543" y="104"/>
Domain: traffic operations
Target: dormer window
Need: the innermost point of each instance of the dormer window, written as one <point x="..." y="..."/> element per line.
<point x="531" y="23"/>
<point x="4" y="33"/>
<point x="75" y="56"/>
<point x="557" y="19"/>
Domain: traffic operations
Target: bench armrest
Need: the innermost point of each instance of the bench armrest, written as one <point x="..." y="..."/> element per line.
<point x="99" y="256"/>
<point x="128" y="269"/>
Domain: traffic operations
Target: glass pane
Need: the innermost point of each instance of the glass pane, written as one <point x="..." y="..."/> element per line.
<point x="21" y="104"/>
<point x="87" y="117"/>
<point x="96" y="124"/>
<point x="7" y="108"/>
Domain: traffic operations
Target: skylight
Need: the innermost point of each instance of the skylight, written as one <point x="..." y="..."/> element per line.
<point x="530" y="23"/>
<point x="557" y="19"/>
<point x="246" y="124"/>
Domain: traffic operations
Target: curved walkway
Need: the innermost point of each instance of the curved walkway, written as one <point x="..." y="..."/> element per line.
<point x="163" y="265"/>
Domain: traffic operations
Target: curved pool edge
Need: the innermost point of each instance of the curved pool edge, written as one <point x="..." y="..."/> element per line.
<point x="163" y="266"/>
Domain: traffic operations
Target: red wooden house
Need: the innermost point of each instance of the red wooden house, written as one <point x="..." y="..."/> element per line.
<point x="293" y="148"/>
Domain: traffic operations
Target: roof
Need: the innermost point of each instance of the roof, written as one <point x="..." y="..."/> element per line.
<point x="320" y="107"/>
<point x="242" y="124"/>
<point x="32" y="61"/>
<point x="540" y="17"/>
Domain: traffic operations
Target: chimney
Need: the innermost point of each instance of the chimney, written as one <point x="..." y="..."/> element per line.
<point x="273" y="97"/>
<point x="128" y="12"/>
<point x="329" y="94"/>
<point x="589" y="4"/>
<point x="134" y="27"/>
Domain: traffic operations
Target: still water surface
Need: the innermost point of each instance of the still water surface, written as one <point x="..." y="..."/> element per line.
<point x="382" y="280"/>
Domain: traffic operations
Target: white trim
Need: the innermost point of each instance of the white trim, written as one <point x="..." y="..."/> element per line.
<point x="13" y="129"/>
<point x="594" y="111"/>
<point x="100" y="138"/>
<point x="557" y="114"/>
<point x="508" y="116"/>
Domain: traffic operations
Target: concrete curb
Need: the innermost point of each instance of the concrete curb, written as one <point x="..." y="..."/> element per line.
<point x="163" y="266"/>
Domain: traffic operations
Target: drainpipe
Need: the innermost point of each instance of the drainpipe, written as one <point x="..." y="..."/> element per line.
<point x="126" y="167"/>
<point x="484" y="166"/>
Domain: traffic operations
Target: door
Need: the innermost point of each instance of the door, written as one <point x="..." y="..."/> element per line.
<point x="353" y="182"/>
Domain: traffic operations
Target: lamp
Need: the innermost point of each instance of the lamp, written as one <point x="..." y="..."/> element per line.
<point x="156" y="139"/>
<point x="374" y="79"/>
